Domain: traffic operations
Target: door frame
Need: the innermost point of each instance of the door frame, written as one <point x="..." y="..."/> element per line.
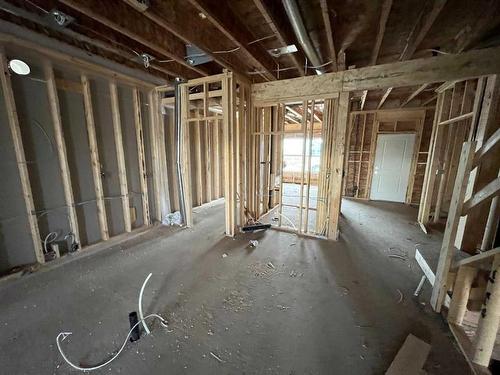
<point x="414" y="134"/>
<point x="416" y="147"/>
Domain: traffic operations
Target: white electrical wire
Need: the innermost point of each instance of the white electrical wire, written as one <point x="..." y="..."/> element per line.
<point x="290" y="221"/>
<point x="47" y="241"/>
<point x="66" y="334"/>
<point x="140" y="305"/>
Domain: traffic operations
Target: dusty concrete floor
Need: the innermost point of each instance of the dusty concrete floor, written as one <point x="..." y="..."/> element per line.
<point x="326" y="308"/>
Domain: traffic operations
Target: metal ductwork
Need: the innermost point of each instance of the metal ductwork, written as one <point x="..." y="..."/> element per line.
<point x="293" y="13"/>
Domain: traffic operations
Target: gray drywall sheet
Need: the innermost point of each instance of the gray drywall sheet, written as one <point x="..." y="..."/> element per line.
<point x="35" y="120"/>
<point x="78" y="152"/>
<point x="16" y="245"/>
<point x="146" y="130"/>
<point x="101" y="104"/>
<point x="127" y="118"/>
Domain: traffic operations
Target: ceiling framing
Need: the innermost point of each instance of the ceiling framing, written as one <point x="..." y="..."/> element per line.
<point x="237" y="35"/>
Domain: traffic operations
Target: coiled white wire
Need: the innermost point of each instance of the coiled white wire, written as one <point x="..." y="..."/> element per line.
<point x="66" y="334"/>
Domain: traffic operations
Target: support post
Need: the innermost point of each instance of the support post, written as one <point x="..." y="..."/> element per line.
<point x="487" y="328"/>
<point x="337" y="162"/>
<point x="461" y="291"/>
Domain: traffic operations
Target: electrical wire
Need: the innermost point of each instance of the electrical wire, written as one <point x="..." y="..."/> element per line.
<point x="140" y="304"/>
<point x="47" y="241"/>
<point x="64" y="335"/>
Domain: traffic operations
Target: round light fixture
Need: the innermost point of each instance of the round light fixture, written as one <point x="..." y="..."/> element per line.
<point x="19" y="67"/>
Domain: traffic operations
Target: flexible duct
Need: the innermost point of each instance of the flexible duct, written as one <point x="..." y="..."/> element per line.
<point x="293" y="13"/>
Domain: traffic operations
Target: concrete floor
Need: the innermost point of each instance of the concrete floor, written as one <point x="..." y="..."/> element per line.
<point x="325" y="308"/>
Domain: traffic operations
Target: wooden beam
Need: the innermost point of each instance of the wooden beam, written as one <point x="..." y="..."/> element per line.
<point x="384" y="97"/>
<point x="139" y="138"/>
<point x="424" y="22"/>
<point x="411" y="357"/>
<point x="15" y="130"/>
<point x="337" y="164"/>
<point x="474" y="260"/>
<point x="120" y="156"/>
<point x="61" y="148"/>
<point x="94" y="158"/>
<point x="384" y="16"/>
<point x="122" y="18"/>
<point x="466" y="65"/>
<point x="155" y="158"/>
<point x="430" y="100"/>
<point x="488" y="325"/>
<point x="414" y="94"/>
<point x="447" y="248"/>
<point x="227" y="22"/>
<point x="363" y="100"/>
<point x="329" y="34"/>
<point x="276" y="19"/>
<point x="487" y="192"/>
<point x="183" y="21"/>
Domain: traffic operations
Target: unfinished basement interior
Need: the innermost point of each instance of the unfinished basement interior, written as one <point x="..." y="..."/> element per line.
<point x="250" y="187"/>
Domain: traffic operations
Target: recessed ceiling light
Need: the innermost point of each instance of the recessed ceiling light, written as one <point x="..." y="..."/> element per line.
<point x="19" y="67"/>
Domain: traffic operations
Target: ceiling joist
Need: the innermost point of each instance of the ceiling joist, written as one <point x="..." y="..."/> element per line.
<point x="226" y="21"/>
<point x="124" y="19"/>
<point x="329" y="34"/>
<point x="422" y="26"/>
<point x="276" y="18"/>
<point x="414" y="94"/>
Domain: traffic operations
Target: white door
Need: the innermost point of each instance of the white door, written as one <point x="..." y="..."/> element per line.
<point x="392" y="165"/>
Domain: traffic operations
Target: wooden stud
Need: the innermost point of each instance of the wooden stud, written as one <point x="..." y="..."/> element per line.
<point x="186" y="156"/>
<point x="461" y="291"/>
<point x="139" y="137"/>
<point x="15" y="131"/>
<point x="227" y="133"/>
<point x="371" y="161"/>
<point x="198" y="162"/>
<point x="305" y="105"/>
<point x="306" y="224"/>
<point x="61" y="149"/>
<point x="440" y="286"/>
<point x="487" y="329"/>
<point x="94" y="158"/>
<point x="432" y="164"/>
<point x="337" y="162"/>
<point x="120" y="156"/>
<point x="155" y="158"/>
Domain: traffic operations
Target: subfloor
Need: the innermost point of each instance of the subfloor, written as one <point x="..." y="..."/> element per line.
<point x="289" y="306"/>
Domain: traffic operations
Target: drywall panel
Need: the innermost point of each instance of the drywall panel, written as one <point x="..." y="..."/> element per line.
<point x="127" y="117"/>
<point x="30" y="93"/>
<point x="16" y="246"/>
<point x="78" y="153"/>
<point x="101" y="104"/>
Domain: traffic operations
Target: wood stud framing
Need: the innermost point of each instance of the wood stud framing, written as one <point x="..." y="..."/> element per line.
<point x="83" y="88"/>
<point x="139" y="136"/>
<point x="61" y="149"/>
<point x="15" y="131"/>
<point x="94" y="158"/>
<point x="120" y="156"/>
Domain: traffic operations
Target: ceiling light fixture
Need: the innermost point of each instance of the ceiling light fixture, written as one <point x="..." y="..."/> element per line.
<point x="277" y="52"/>
<point x="202" y="15"/>
<point x="61" y="18"/>
<point x="19" y="67"/>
